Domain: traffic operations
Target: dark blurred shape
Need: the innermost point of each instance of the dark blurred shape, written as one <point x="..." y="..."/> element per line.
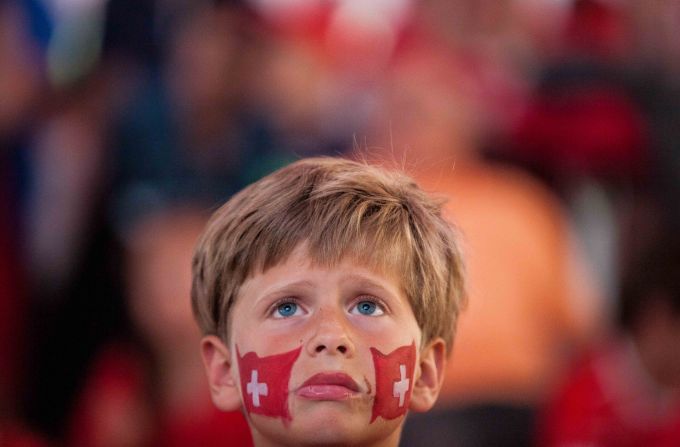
<point x="13" y="309"/>
<point x="583" y="119"/>
<point x="14" y="435"/>
<point x="188" y="132"/>
<point x="137" y="32"/>
<point x="485" y="425"/>
<point x="653" y="280"/>
<point x="585" y="130"/>
<point x="597" y="27"/>
<point x="19" y="88"/>
<point x="150" y="389"/>
<point x="130" y="31"/>
<point x="577" y="126"/>
<point x="20" y="71"/>
<point x="626" y="391"/>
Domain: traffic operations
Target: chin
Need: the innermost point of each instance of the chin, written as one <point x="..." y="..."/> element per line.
<point x="331" y="428"/>
<point x="326" y="427"/>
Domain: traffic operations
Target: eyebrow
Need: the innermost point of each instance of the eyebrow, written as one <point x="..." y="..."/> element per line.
<point x="363" y="281"/>
<point x="284" y="287"/>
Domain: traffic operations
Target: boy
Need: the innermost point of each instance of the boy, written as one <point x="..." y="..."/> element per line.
<point x="328" y="294"/>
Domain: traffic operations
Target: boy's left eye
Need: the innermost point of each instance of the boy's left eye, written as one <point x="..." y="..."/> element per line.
<point x="367" y="307"/>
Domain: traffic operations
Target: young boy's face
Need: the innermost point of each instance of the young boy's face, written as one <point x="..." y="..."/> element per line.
<point x="325" y="355"/>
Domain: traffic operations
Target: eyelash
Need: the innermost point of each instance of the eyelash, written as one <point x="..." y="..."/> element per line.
<point x="290" y="300"/>
<point x="371" y="299"/>
<point x="279" y="303"/>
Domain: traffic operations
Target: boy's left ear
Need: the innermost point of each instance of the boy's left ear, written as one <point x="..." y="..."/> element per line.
<point x="429" y="381"/>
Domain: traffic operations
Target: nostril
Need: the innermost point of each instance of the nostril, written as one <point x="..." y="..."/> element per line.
<point x="320" y="348"/>
<point x="342" y="349"/>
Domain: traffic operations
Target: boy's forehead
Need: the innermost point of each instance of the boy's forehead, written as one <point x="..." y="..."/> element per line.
<point x="303" y="262"/>
<point x="304" y="258"/>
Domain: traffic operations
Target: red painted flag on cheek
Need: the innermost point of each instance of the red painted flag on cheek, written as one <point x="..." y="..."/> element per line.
<point x="393" y="381"/>
<point x="264" y="382"/>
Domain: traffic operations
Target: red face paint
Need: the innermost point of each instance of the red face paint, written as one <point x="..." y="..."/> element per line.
<point x="393" y="381"/>
<point x="264" y="382"/>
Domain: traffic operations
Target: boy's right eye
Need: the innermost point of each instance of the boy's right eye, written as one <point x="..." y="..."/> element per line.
<point x="285" y="309"/>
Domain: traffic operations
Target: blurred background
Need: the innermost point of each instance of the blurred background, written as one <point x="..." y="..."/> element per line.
<point x="552" y="127"/>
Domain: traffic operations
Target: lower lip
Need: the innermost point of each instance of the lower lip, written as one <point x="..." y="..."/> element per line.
<point x="325" y="392"/>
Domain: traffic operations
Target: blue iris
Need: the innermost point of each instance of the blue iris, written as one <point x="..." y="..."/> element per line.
<point x="366" y="307"/>
<point x="286" y="309"/>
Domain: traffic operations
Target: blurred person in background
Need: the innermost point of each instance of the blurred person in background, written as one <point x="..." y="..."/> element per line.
<point x="151" y="390"/>
<point x="588" y="129"/>
<point x="20" y="85"/>
<point x="626" y="390"/>
<point x="532" y="305"/>
<point x="14" y="323"/>
<point x="191" y="130"/>
<point x="118" y="141"/>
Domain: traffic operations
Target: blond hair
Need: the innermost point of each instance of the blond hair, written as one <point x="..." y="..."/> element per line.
<point x="338" y="208"/>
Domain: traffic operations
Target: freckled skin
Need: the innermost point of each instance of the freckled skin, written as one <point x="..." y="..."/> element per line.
<point x="332" y="317"/>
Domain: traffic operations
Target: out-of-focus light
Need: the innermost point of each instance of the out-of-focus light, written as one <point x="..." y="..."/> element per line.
<point x="75" y="46"/>
<point x="365" y="33"/>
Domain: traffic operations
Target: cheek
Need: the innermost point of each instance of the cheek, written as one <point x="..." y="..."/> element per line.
<point x="390" y="336"/>
<point x="274" y="336"/>
<point x="264" y="382"/>
<point x="383" y="331"/>
<point x="393" y="381"/>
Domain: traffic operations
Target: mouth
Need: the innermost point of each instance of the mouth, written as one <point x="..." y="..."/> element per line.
<point x="328" y="386"/>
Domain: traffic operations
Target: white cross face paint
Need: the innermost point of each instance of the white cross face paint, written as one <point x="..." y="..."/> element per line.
<point x="394" y="374"/>
<point x="256" y="389"/>
<point x="401" y="386"/>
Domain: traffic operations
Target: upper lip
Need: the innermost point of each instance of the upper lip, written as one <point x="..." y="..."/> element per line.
<point x="332" y="378"/>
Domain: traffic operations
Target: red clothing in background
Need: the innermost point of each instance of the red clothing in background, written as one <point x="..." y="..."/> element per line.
<point x="116" y="409"/>
<point x="15" y="436"/>
<point x="609" y="401"/>
<point x="12" y="306"/>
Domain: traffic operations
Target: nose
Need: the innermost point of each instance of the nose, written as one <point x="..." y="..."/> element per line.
<point x="330" y="335"/>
